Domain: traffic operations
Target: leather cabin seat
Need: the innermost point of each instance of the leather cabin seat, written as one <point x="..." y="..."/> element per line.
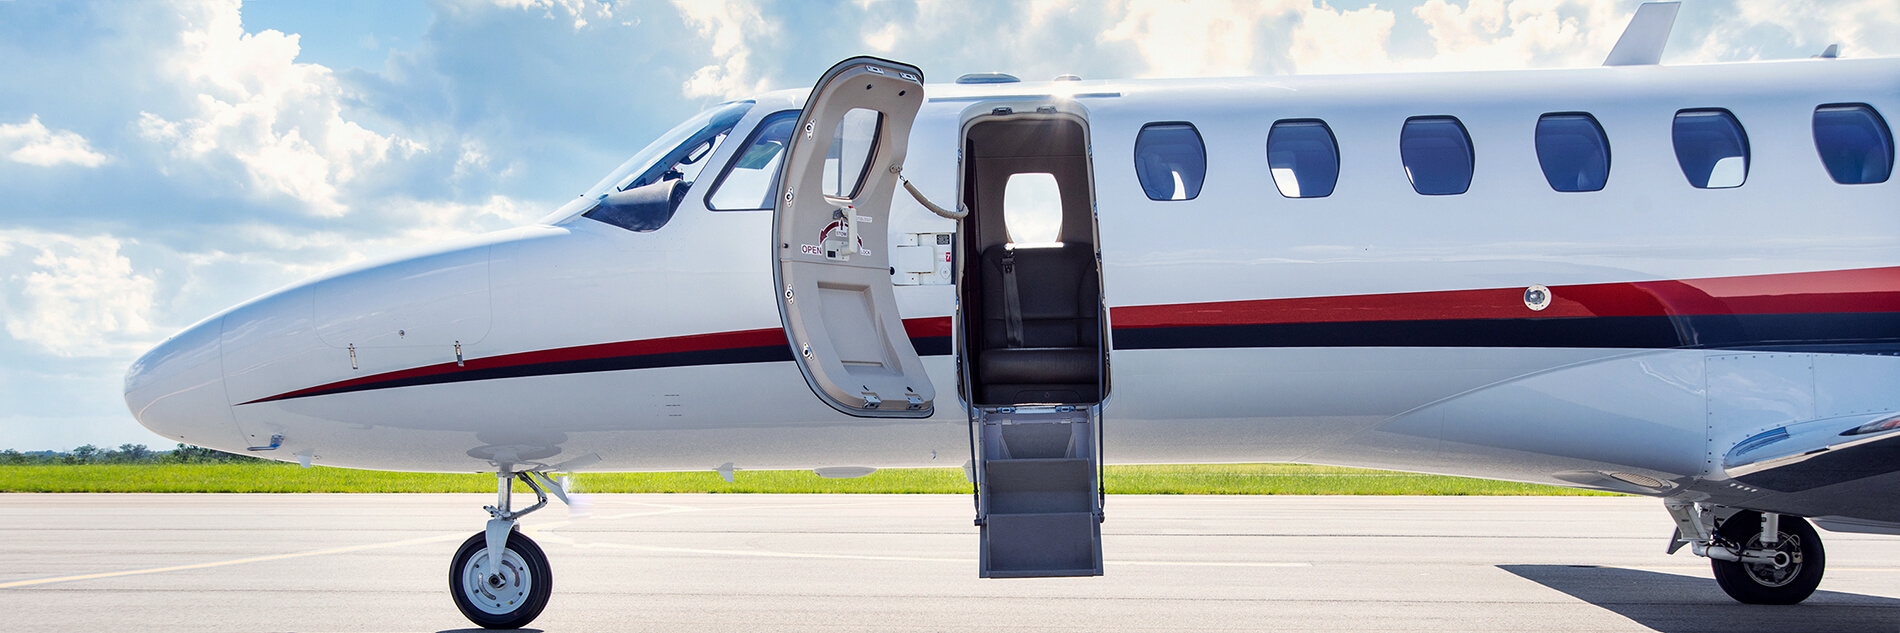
<point x="1057" y="358"/>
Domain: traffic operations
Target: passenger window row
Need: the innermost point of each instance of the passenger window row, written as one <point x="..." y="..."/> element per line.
<point x="1854" y="143"/>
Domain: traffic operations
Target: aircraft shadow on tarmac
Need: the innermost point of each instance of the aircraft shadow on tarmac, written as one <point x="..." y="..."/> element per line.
<point x="1669" y="603"/>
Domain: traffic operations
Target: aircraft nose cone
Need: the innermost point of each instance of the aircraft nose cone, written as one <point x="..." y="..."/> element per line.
<point x="177" y="389"/>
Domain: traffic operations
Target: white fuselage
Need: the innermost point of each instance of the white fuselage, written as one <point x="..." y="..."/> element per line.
<point x="1373" y="327"/>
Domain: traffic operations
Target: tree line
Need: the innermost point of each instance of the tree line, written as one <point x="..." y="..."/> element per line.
<point x="125" y="454"/>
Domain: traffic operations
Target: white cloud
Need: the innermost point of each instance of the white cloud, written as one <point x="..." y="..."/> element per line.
<point x="1222" y="38"/>
<point x="75" y="295"/>
<point x="287" y="253"/>
<point x="730" y="26"/>
<point x="1501" y="34"/>
<point x="256" y="110"/>
<point x="1194" y="38"/>
<point x="33" y="144"/>
<point x="1200" y="38"/>
<point x="1334" y="41"/>
<point x="1863" y="28"/>
<point x="578" y="10"/>
<point x="439" y="220"/>
<point x="1040" y="11"/>
<point x="883" y="39"/>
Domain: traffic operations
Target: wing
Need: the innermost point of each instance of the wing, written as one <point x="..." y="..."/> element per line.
<point x="1818" y="453"/>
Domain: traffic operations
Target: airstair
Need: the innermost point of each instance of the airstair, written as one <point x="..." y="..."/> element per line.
<point x="1039" y="490"/>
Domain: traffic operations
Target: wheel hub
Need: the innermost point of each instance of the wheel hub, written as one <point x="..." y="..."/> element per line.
<point x="500" y="591"/>
<point x="1787" y="563"/>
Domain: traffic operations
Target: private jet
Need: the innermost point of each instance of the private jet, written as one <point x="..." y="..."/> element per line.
<point x="1680" y="282"/>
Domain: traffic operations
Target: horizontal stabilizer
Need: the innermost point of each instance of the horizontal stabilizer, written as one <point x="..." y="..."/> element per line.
<point x="1818" y="453"/>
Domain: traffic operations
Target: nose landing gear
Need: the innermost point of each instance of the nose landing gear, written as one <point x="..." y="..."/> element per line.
<point x="499" y="578"/>
<point x="505" y="597"/>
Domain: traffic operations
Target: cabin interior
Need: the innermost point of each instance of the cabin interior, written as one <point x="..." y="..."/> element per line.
<point x="1032" y="295"/>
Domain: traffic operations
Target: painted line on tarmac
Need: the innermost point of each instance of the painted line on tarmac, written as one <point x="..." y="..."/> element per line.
<point x="224" y="563"/>
<point x="552" y="538"/>
<point x="1189" y="563"/>
<point x="546" y="532"/>
<point x="1705" y="568"/>
<point x="667" y="509"/>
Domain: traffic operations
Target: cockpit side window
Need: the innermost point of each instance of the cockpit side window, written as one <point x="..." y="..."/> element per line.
<point x="643" y="193"/>
<point x="678" y="154"/>
<point x="753" y="172"/>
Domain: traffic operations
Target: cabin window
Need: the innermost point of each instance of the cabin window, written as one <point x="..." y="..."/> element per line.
<point x="1170" y="160"/>
<point x="1712" y="148"/>
<point x="1437" y="154"/>
<point x="853" y="143"/>
<point x="1573" y="151"/>
<point x="752" y="174"/>
<point x="1854" y="142"/>
<point x="1303" y="158"/>
<point x="1032" y="209"/>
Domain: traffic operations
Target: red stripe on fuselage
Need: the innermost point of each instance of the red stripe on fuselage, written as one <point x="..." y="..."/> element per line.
<point x="1864" y="290"/>
<point x="927" y="327"/>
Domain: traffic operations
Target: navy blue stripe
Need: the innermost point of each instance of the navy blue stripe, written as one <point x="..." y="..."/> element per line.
<point x="765" y="354"/>
<point x="925" y="346"/>
<point x="931" y="345"/>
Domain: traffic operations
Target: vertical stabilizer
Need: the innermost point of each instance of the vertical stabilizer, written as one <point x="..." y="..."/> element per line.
<point x="1642" y="42"/>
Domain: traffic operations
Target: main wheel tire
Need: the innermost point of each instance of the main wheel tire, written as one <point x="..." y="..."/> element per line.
<point x="1759" y="583"/>
<point x="510" y="599"/>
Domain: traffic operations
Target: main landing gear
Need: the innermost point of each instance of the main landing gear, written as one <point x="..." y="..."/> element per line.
<point x="1758" y="557"/>
<point x="499" y="578"/>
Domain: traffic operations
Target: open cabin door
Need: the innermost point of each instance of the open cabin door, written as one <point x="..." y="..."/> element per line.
<point x="831" y="221"/>
<point x="1033" y="333"/>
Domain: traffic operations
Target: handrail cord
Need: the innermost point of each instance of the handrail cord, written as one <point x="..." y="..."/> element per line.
<point x="958" y="214"/>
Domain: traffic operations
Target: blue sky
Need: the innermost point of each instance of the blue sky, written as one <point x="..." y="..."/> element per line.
<point x="163" y="159"/>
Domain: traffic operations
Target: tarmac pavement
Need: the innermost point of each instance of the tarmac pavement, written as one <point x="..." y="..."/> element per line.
<point x="738" y="563"/>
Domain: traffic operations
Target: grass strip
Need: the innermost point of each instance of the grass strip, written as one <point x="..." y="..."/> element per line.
<point x="1215" y="479"/>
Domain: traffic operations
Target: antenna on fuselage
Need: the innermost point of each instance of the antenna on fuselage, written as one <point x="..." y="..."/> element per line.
<point x="1643" y="40"/>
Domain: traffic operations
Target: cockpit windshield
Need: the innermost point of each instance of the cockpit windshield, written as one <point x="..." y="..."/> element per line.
<point x="681" y="150"/>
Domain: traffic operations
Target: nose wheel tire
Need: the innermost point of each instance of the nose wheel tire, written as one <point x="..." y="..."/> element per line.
<point x="1763" y="583"/>
<point x="508" y="597"/>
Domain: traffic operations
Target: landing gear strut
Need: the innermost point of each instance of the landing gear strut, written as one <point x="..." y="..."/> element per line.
<point x="1758" y="557"/>
<point x="499" y="578"/>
